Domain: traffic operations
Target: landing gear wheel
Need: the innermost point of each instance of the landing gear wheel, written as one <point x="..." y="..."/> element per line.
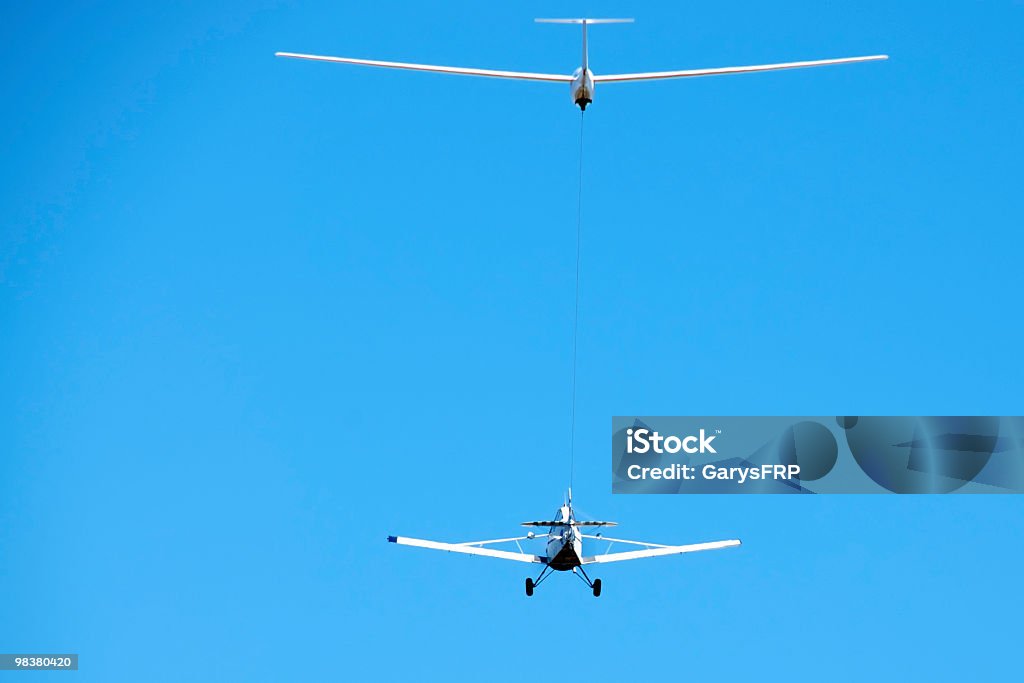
<point x="529" y="587"/>
<point x="597" y="588"/>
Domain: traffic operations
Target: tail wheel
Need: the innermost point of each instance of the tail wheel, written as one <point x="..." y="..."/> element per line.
<point x="597" y="588"/>
<point x="529" y="587"/>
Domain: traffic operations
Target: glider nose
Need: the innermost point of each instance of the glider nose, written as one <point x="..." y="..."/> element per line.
<point x="582" y="88"/>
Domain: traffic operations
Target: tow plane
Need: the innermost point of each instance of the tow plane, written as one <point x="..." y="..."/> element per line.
<point x="563" y="551"/>
<point x="582" y="82"/>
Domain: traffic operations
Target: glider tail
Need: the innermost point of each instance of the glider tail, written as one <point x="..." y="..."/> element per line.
<point x="584" y="21"/>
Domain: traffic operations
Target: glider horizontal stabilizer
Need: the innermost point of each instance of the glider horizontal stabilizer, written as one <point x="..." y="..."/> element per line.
<point x="583" y="20"/>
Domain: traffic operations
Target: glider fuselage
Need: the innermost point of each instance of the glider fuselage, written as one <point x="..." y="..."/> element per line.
<point x="582" y="87"/>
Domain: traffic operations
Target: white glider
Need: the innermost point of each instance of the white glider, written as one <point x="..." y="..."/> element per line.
<point x="583" y="81"/>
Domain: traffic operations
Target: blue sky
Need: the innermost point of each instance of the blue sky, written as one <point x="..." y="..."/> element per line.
<point x="257" y="314"/>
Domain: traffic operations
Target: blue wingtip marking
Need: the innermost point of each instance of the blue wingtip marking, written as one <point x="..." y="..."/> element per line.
<point x="392" y="539"/>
